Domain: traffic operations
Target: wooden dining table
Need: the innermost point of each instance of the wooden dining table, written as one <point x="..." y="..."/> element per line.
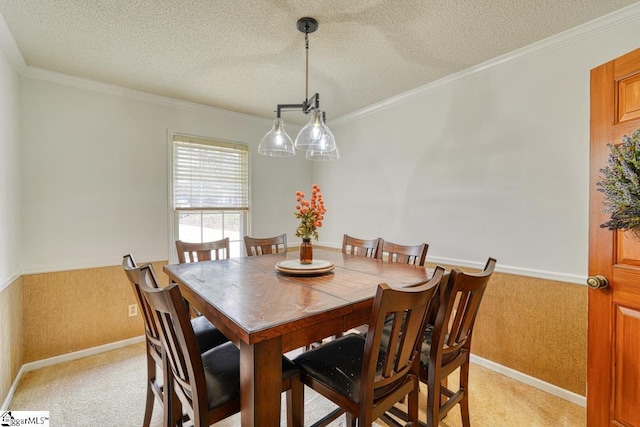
<point x="267" y="313"/>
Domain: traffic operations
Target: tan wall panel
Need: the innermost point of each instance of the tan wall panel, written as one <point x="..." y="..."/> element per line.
<point x="537" y="327"/>
<point x="10" y="335"/>
<point x="74" y="310"/>
<point x="534" y="326"/>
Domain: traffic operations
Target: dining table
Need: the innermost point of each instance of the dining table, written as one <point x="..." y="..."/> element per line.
<point x="267" y="307"/>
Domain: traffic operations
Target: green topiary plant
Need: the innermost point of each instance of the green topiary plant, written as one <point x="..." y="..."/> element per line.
<point x="621" y="185"/>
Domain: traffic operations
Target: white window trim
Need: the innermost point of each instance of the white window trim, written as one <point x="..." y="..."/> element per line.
<point x="173" y="258"/>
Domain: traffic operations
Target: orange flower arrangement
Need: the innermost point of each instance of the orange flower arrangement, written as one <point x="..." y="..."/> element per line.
<point x="310" y="212"/>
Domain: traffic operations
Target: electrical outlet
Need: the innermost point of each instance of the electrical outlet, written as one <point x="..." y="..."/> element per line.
<point x="133" y="310"/>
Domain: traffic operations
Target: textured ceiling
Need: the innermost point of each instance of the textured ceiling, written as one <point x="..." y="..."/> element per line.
<point x="248" y="56"/>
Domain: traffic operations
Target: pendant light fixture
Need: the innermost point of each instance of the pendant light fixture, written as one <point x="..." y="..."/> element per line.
<point x="315" y="139"/>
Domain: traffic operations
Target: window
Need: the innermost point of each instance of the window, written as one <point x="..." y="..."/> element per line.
<point x="210" y="191"/>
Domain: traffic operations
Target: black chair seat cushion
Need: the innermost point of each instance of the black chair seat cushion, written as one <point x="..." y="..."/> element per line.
<point x="338" y="365"/>
<point x="426" y="349"/>
<point x="222" y="373"/>
<point x="426" y="346"/>
<point x="207" y="335"/>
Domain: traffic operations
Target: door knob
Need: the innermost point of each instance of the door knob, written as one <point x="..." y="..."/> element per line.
<point x="597" y="282"/>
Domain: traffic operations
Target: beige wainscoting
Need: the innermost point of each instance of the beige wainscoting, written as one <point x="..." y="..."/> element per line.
<point x="74" y="310"/>
<point x="537" y="327"/>
<point x="534" y="326"/>
<point x="11" y="358"/>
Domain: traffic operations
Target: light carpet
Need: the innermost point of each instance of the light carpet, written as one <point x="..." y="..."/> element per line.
<point x="108" y="389"/>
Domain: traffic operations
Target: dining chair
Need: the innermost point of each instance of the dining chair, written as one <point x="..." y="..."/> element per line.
<point x="365" y="376"/>
<point x="264" y="246"/>
<point x="451" y="338"/>
<point x="205" y="251"/>
<point x="354" y="246"/>
<point x="207" y="336"/>
<point x="446" y="344"/>
<point x="393" y="252"/>
<point x="197" y="252"/>
<point x="359" y="247"/>
<point x="205" y="387"/>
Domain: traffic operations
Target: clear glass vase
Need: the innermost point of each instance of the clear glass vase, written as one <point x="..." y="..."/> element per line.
<point x="306" y="251"/>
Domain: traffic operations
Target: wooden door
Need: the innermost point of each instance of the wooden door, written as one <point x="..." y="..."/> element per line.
<point x="613" y="358"/>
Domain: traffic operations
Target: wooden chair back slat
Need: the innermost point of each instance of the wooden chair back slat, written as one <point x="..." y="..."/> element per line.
<point x="263" y="246"/>
<point x="205" y="251"/>
<point x="393" y="252"/>
<point x="360" y="247"/>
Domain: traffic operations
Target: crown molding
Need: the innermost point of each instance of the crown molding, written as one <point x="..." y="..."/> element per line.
<point x="11" y="47"/>
<point x="110" y="89"/>
<point x="618" y="18"/>
<point x="8" y="42"/>
<point x="615" y="19"/>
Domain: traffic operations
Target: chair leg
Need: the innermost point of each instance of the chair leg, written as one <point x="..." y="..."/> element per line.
<point x="175" y="412"/>
<point x="412" y="404"/>
<point x="351" y="420"/>
<point x="167" y="417"/>
<point x="151" y="374"/>
<point x="295" y="404"/>
<point x="433" y="397"/>
<point x="464" y="402"/>
<point x="148" y="408"/>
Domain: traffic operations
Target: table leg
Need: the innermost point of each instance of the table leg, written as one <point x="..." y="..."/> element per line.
<point x="261" y="383"/>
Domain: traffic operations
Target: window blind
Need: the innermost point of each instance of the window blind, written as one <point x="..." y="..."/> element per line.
<point x="210" y="174"/>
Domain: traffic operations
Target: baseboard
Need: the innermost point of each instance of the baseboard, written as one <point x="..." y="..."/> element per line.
<point x="529" y="380"/>
<point x="64" y="358"/>
<point x="12" y="390"/>
<point x="508" y="372"/>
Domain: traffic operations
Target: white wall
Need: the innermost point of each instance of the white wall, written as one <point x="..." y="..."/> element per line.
<point x="95" y="172"/>
<point x="491" y="162"/>
<point x="494" y="162"/>
<point x="10" y="242"/>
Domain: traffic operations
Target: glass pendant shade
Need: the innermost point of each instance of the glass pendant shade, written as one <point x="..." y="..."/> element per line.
<point x="276" y="142"/>
<point x="311" y="133"/>
<point x="315" y="138"/>
<point x="324" y="147"/>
